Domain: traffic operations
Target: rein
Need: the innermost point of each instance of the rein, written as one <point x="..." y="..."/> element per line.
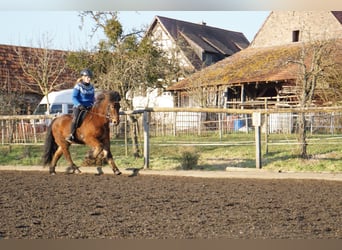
<point x="99" y="114"/>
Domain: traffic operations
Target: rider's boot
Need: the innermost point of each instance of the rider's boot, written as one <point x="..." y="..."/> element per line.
<point x="71" y="137"/>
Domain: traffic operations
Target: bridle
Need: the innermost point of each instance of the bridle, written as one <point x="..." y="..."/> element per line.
<point x="107" y="115"/>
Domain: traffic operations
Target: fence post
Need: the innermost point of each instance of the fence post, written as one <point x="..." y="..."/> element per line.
<point x="146" y="139"/>
<point x="126" y="137"/>
<point x="257" y="123"/>
<point x="220" y="125"/>
<point x="2" y="132"/>
<point x="174" y="123"/>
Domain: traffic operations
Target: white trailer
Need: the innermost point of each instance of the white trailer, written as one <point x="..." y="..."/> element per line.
<point x="60" y="103"/>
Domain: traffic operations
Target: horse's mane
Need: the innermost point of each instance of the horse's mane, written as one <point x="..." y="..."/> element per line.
<point x="113" y="96"/>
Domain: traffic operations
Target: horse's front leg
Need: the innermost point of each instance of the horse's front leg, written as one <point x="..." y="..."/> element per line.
<point x="98" y="149"/>
<point x="110" y="160"/>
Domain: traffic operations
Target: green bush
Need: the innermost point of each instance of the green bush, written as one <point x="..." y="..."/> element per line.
<point x="189" y="160"/>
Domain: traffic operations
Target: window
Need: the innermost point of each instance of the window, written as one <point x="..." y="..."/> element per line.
<point x="295" y="36"/>
<point x="208" y="59"/>
<point x="56" y="108"/>
<point x="70" y="108"/>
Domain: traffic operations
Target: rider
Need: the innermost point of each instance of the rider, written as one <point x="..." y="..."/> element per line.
<point x="83" y="98"/>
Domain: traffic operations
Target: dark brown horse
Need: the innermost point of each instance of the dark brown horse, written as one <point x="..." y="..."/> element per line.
<point x="94" y="131"/>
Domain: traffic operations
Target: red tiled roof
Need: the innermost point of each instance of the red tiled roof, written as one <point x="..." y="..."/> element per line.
<point x="12" y="76"/>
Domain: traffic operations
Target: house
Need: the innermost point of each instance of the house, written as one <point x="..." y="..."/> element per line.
<point x="289" y="27"/>
<point x="13" y="81"/>
<point x="262" y="73"/>
<point x="192" y="46"/>
<point x="195" y="45"/>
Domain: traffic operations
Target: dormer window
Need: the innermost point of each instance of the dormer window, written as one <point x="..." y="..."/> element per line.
<point x="295" y="36"/>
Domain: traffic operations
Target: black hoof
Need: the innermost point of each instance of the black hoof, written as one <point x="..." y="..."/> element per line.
<point x="99" y="171"/>
<point x="77" y="171"/>
<point x="117" y="173"/>
<point x="73" y="170"/>
<point x="52" y="171"/>
<point x="135" y="172"/>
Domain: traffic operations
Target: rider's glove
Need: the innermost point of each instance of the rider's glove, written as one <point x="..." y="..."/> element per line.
<point x="81" y="107"/>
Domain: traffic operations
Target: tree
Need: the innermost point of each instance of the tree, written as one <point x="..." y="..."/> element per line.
<point x="317" y="68"/>
<point x="128" y="62"/>
<point x="43" y="68"/>
<point x="12" y="103"/>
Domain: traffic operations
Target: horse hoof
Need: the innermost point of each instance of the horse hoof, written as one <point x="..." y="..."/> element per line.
<point x="70" y="170"/>
<point x="99" y="171"/>
<point x="117" y="172"/>
<point x="77" y="171"/>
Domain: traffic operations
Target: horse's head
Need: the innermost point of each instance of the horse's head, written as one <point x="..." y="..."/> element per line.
<point x="114" y="107"/>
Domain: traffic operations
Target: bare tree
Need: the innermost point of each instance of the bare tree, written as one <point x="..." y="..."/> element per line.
<point x="316" y="63"/>
<point x="42" y="68"/>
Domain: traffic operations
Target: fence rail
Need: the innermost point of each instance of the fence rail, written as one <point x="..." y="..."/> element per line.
<point x="190" y="121"/>
<point x="155" y="122"/>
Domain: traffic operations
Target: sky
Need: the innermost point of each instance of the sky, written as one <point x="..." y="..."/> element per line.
<point x="62" y="27"/>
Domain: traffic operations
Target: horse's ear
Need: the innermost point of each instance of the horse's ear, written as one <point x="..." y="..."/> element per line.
<point x="115" y="96"/>
<point x="118" y="96"/>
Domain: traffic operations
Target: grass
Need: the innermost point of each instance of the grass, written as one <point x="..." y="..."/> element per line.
<point x="232" y="150"/>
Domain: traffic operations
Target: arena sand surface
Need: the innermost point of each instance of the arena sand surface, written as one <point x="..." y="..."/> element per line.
<point x="169" y="205"/>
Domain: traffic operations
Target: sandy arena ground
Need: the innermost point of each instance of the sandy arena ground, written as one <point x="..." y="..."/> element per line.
<point x="236" y="204"/>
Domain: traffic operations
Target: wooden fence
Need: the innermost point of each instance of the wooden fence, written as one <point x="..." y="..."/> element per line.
<point x="31" y="129"/>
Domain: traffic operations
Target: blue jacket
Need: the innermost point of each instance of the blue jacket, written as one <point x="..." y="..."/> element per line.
<point x="83" y="95"/>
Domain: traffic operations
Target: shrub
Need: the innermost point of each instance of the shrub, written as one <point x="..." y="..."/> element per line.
<point x="189" y="160"/>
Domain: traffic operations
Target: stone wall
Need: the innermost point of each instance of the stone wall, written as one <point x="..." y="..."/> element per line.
<point x="312" y="25"/>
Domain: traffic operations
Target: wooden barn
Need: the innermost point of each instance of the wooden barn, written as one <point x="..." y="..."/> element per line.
<point x="264" y="73"/>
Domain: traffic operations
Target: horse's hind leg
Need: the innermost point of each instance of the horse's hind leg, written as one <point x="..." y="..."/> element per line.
<point x="55" y="158"/>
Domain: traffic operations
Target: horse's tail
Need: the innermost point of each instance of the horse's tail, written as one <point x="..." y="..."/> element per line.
<point x="50" y="146"/>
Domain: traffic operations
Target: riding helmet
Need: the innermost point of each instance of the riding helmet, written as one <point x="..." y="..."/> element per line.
<point x="87" y="72"/>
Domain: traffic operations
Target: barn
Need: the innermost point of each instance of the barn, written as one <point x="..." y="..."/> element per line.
<point x="263" y="74"/>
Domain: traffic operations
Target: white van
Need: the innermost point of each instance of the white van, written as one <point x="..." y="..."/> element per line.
<point x="60" y="103"/>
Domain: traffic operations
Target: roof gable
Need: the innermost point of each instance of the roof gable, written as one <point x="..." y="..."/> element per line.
<point x="224" y="40"/>
<point x="202" y="38"/>
<point x="338" y="15"/>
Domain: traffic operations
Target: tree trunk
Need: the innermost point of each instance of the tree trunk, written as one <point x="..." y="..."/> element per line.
<point x="302" y="136"/>
<point x="134" y="136"/>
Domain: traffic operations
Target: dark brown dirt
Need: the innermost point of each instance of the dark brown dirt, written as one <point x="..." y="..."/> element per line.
<point x="34" y="205"/>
